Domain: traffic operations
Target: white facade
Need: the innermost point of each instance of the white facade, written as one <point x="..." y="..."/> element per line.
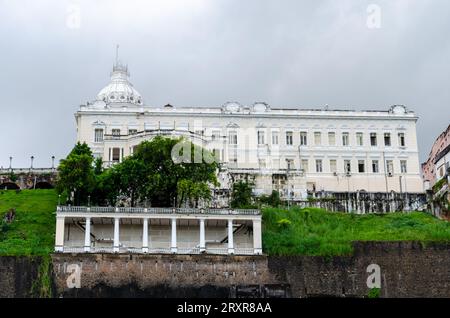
<point x="292" y="150"/>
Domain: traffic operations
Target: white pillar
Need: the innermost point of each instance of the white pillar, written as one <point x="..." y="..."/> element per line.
<point x="202" y="235"/>
<point x="257" y="240"/>
<point x="116" y="235"/>
<point x="87" y="235"/>
<point x="173" y="246"/>
<point x="145" y="236"/>
<point x="230" y="237"/>
<point x="59" y="237"/>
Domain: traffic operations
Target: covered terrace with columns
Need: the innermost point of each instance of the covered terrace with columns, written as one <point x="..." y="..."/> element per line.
<point x="157" y="230"/>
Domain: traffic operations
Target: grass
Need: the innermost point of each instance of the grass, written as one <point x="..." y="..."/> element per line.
<point x="32" y="232"/>
<point x="317" y="232"/>
<point x="286" y="232"/>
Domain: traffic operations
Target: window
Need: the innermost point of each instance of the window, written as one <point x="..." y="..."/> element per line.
<point x="331" y="138"/>
<point x="318" y="165"/>
<point x="387" y="139"/>
<point x="290" y="164"/>
<point x="403" y="166"/>
<point x="317" y="138"/>
<point x="262" y="163"/>
<point x="261" y="136"/>
<point x="274" y="137"/>
<point x="216" y="155"/>
<point x="347" y="166"/>
<point x="333" y="166"/>
<point x="390" y="166"/>
<point x="375" y="168"/>
<point x="303" y="138"/>
<point x="373" y="139"/>
<point x="289" y="140"/>
<point x="345" y="139"/>
<point x="305" y="166"/>
<point x="116" y="154"/>
<point x="232" y="159"/>
<point x="116" y="133"/>
<point x="132" y="131"/>
<point x="232" y="138"/>
<point x="98" y="135"/>
<point x="360" y="139"/>
<point x="215" y="135"/>
<point x="401" y="140"/>
<point x="361" y="166"/>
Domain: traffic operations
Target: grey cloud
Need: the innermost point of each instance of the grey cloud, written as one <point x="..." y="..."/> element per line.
<point x="204" y="53"/>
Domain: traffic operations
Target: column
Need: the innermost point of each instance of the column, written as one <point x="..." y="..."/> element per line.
<point x="59" y="237"/>
<point x="173" y="246"/>
<point x="116" y="235"/>
<point x="145" y="236"/>
<point x="230" y="237"/>
<point x="87" y="235"/>
<point x="202" y="235"/>
<point x="257" y="241"/>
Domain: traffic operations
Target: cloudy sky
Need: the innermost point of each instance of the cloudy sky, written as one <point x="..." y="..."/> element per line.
<point x="56" y="55"/>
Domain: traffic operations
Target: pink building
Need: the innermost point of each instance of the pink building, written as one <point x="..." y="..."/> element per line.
<point x="428" y="169"/>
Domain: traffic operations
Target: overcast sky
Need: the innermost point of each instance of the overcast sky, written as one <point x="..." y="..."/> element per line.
<point x="56" y="55"/>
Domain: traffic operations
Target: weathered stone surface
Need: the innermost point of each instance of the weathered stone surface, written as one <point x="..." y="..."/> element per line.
<point x="408" y="269"/>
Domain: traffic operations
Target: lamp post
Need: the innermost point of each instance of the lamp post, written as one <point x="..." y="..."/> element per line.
<point x="53" y="162"/>
<point x="10" y="163"/>
<point x="32" y="158"/>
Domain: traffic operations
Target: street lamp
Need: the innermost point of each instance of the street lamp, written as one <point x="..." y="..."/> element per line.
<point x="32" y="158"/>
<point x="10" y="163"/>
<point x="53" y="162"/>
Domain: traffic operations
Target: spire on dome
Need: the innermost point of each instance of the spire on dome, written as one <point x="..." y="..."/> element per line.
<point x="118" y="66"/>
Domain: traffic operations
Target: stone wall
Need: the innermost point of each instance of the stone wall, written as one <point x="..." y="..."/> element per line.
<point x="406" y="269"/>
<point x="17" y="275"/>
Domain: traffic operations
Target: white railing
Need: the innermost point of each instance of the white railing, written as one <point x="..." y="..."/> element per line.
<point x="130" y="210"/>
<point x="27" y="170"/>
<point x="138" y="250"/>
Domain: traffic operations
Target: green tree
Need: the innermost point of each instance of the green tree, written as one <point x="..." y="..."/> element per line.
<point x="165" y="172"/>
<point x="272" y="200"/>
<point x="241" y="195"/>
<point x="76" y="173"/>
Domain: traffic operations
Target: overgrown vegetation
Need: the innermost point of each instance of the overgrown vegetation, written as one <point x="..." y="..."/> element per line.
<point x="313" y="231"/>
<point x="42" y="286"/>
<point x="374" y="293"/>
<point x="32" y="231"/>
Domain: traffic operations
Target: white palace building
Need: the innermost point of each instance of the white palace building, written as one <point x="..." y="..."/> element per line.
<point x="298" y="152"/>
<point x="297" y="149"/>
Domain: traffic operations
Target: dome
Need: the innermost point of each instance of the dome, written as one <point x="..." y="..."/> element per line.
<point x="120" y="90"/>
<point x="231" y="107"/>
